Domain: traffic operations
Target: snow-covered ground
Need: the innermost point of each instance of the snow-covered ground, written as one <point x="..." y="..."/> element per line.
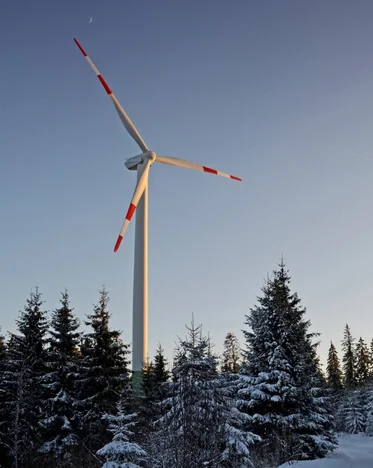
<point x="354" y="451"/>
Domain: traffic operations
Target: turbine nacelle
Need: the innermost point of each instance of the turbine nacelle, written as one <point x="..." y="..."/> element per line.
<point x="132" y="163"/>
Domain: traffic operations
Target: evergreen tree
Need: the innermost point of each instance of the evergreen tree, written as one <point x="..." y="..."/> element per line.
<point x="198" y="428"/>
<point x="3" y="416"/>
<point x="371" y="360"/>
<point x="105" y="370"/>
<point x="143" y="403"/>
<point x="281" y="390"/>
<point x="160" y="369"/>
<point x="147" y="378"/>
<point x="22" y="383"/>
<point x="239" y="439"/>
<point x="2" y="347"/>
<point x="121" y="452"/>
<point x="196" y="408"/>
<point x="362" y="362"/>
<point x="189" y="408"/>
<point x="333" y="369"/>
<point x="353" y="413"/>
<point x="348" y="358"/>
<point x="86" y="344"/>
<point x="231" y="354"/>
<point x="369" y="410"/>
<point x="60" y="422"/>
<point x="154" y="377"/>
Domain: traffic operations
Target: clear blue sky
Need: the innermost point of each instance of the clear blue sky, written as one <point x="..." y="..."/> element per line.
<point x="279" y="93"/>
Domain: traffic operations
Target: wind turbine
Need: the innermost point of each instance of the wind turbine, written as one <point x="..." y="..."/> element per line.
<point x="141" y="163"/>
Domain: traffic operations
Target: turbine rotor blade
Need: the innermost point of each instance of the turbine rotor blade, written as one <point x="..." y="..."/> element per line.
<point x="197" y="167"/>
<point x="131" y="129"/>
<point x="139" y="190"/>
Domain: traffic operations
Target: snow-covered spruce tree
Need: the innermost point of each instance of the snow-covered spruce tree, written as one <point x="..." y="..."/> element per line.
<point x="24" y="368"/>
<point x="333" y="369"/>
<point x="198" y="427"/>
<point x="371" y="361"/>
<point x="334" y="379"/>
<point x="348" y="359"/>
<point x="281" y="390"/>
<point x="104" y="372"/>
<point x="147" y="377"/>
<point x="362" y="360"/>
<point x="369" y="410"/>
<point x="231" y="354"/>
<point x="192" y="427"/>
<point x="238" y="439"/>
<point x="142" y="402"/>
<point x="320" y="409"/>
<point x="352" y="412"/>
<point x="155" y="375"/>
<point x="60" y="421"/>
<point x="182" y="430"/>
<point x="122" y="451"/>
<point x="3" y="414"/>
<point x="2" y="347"/>
<point x="160" y="369"/>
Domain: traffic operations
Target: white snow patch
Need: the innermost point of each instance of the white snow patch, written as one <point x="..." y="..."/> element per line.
<point x="354" y="451"/>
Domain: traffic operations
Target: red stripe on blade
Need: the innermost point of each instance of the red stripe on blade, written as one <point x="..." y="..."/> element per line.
<point x="130" y="211"/>
<point x="120" y="238"/>
<point x="211" y="171"/>
<point x="80" y="47"/>
<point x="235" y="178"/>
<point x="104" y="84"/>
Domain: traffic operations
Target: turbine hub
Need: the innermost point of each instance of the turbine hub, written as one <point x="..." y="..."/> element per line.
<point x="150" y="155"/>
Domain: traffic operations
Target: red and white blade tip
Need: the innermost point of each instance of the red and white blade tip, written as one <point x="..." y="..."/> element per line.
<point x="98" y="74"/>
<point x="130" y="212"/>
<point x="214" y="171"/>
<point x="117" y="245"/>
<point x="80" y="47"/>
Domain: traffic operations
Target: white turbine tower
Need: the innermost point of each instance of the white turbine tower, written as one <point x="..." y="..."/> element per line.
<point x="142" y="164"/>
